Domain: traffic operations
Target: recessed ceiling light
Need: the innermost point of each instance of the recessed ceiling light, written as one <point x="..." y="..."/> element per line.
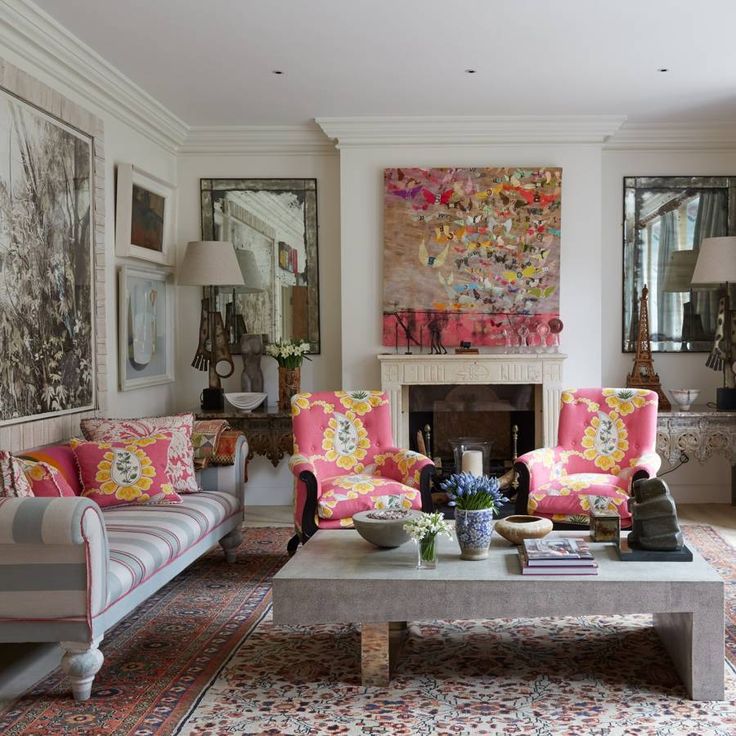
<point x="663" y="69"/>
<point x="277" y="72"/>
<point x="471" y="71"/>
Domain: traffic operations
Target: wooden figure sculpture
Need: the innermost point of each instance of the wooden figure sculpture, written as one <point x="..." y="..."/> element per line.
<point x="642" y="373"/>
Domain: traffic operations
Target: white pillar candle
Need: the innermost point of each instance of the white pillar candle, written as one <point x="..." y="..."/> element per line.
<point x="473" y="462"/>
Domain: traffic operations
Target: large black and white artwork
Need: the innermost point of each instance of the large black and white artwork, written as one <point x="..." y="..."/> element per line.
<point x="46" y="265"/>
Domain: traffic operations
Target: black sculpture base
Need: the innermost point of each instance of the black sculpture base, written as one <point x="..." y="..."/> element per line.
<point x="632" y="554"/>
<point x="726" y="399"/>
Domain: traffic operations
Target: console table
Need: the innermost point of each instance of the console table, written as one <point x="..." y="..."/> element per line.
<point x="268" y="430"/>
<point x="698" y="433"/>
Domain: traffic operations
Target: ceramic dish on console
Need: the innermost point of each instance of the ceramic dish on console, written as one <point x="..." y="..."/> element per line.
<point x="684" y="397"/>
<point x="246" y="401"/>
<point x="520" y="527"/>
<point x="384" y="527"/>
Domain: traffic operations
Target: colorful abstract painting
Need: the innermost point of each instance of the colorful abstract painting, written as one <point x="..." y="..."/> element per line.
<point x="471" y="254"/>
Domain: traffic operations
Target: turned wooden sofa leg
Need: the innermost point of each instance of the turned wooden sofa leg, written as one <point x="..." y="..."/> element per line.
<point x="81" y="662"/>
<point x="230" y="543"/>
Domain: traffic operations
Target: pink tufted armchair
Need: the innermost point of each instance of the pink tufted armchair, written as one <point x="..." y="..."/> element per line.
<point x="606" y="441"/>
<point x="345" y="461"/>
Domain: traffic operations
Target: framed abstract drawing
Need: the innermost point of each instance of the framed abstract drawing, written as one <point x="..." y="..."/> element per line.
<point x="472" y="255"/>
<point x="145" y="327"/>
<point x="144" y="216"/>
<point x="47" y="266"/>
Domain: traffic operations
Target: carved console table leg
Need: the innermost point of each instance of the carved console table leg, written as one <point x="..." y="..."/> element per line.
<point x="81" y="662"/>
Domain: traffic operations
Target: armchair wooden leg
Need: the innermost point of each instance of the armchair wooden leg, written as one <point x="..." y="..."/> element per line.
<point x="293" y="545"/>
<point x="81" y="662"/>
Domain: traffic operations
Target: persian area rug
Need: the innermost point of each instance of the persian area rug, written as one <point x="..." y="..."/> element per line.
<point x="203" y="659"/>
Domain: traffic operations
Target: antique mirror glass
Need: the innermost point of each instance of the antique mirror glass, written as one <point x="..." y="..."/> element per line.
<point x="273" y="225"/>
<point x="665" y="219"/>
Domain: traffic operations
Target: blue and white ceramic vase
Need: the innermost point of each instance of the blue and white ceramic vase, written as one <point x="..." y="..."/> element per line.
<point x="473" y="530"/>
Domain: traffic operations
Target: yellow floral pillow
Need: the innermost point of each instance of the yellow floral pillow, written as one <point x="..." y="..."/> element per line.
<point x="132" y="471"/>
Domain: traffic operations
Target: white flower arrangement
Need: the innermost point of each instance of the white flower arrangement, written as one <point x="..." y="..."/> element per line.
<point x="427" y="526"/>
<point x="288" y="353"/>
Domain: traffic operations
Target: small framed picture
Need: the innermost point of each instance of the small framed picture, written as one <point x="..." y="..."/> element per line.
<point x="144" y="216"/>
<point x="145" y="327"/>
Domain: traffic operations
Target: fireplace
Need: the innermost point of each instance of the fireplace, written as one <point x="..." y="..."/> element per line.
<point x="523" y="386"/>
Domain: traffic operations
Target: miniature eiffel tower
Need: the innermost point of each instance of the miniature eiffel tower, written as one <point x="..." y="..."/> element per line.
<point x="642" y="373"/>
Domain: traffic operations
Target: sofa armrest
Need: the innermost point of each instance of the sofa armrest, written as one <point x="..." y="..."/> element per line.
<point x="402" y="465"/>
<point x="227" y="478"/>
<point x="62" y="541"/>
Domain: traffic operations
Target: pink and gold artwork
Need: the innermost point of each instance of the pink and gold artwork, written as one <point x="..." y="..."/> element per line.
<point x="471" y="254"/>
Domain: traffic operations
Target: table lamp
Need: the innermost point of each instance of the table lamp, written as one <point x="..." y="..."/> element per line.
<point x="716" y="264"/>
<point x="211" y="263"/>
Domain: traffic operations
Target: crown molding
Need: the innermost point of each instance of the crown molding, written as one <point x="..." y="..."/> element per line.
<point x="256" y="139"/>
<point x="716" y="135"/>
<point x="35" y="36"/>
<point x="359" y="132"/>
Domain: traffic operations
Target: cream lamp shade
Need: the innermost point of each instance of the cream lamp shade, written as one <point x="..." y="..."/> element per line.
<point x="210" y="263"/>
<point x="679" y="271"/>
<point x="716" y="261"/>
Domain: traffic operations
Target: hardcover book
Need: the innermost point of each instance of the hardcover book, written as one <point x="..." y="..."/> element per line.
<point x="558" y="550"/>
<point x="568" y="567"/>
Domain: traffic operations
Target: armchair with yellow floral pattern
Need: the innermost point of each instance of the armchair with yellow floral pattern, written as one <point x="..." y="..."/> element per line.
<point x="606" y="441"/>
<point x="345" y="461"/>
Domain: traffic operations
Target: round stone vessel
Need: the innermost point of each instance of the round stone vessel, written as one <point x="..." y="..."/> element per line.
<point x="520" y="527"/>
<point x="383" y="532"/>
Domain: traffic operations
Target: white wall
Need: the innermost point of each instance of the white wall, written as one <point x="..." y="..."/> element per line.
<point x="693" y="483"/>
<point x="266" y="485"/>
<point x="122" y="144"/>
<point x="361" y="222"/>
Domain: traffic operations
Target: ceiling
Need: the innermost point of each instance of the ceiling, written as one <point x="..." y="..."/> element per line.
<point x="211" y="62"/>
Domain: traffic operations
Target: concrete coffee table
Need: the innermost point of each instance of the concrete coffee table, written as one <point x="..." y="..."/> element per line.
<point x="338" y="577"/>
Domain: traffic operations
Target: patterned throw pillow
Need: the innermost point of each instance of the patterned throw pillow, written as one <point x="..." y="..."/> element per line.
<point x="181" y="453"/>
<point x="61" y="458"/>
<point x="13" y="483"/>
<point x="132" y="471"/>
<point x="45" y="480"/>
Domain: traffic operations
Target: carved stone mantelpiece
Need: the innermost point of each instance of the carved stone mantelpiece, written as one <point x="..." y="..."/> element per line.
<point x="543" y="370"/>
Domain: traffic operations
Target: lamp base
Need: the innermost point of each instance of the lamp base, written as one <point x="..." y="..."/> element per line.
<point x="213" y="399"/>
<point x="726" y="399"/>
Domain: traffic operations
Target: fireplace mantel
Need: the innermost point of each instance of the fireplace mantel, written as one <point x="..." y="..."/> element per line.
<point x="544" y="370"/>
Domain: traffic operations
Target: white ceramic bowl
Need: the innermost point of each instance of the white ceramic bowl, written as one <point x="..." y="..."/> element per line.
<point x="684" y="397"/>
<point x="246" y="401"/>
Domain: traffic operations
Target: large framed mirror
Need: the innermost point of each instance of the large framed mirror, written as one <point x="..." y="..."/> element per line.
<point x="665" y="220"/>
<point x="272" y="224"/>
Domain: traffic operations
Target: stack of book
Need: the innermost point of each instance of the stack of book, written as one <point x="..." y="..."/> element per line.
<point x="556" y="556"/>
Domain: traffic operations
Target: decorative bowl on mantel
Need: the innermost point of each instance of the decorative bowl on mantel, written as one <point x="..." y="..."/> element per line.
<point x="684" y="397"/>
<point x="384" y="527"/>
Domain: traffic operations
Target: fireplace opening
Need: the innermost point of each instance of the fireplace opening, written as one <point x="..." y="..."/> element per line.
<point x="488" y="412"/>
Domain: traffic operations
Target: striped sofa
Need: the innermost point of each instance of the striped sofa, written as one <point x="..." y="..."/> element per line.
<point x="70" y="571"/>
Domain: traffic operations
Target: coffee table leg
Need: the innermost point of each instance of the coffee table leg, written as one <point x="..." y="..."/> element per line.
<point x="380" y="646"/>
<point x="374" y="655"/>
<point x="695" y="642"/>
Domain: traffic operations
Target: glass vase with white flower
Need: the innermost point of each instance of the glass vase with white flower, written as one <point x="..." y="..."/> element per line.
<point x="289" y="354"/>
<point x="423" y="530"/>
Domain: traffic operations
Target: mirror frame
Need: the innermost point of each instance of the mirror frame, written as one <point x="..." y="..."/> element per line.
<point x="726" y="183"/>
<point x="307" y="188"/>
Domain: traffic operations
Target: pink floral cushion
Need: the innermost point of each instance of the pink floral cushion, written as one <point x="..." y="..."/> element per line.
<point x="45" y="480"/>
<point x="345" y="495"/>
<point x="132" y="471"/>
<point x="13" y="483"/>
<point x="60" y="457"/>
<point x="570" y="498"/>
<point x="181" y="452"/>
